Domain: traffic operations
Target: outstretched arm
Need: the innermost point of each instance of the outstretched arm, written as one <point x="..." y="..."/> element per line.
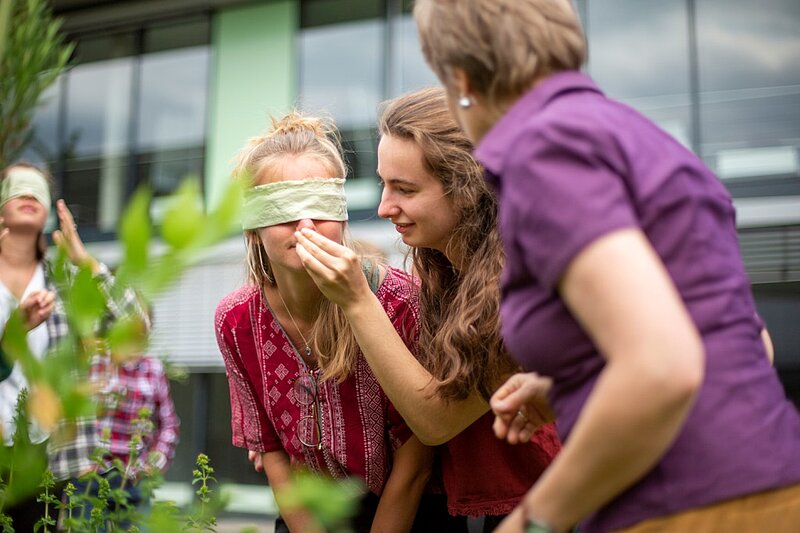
<point x="412" y="389"/>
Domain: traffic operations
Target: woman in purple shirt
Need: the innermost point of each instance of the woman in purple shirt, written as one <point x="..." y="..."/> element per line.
<point x="624" y="290"/>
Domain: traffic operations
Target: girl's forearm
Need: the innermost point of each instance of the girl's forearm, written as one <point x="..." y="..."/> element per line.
<point x="410" y="387"/>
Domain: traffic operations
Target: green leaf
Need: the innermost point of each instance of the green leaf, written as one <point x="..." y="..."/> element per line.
<point x="183" y="219"/>
<point x="15" y="339"/>
<point x="134" y="232"/>
<point x="127" y="338"/>
<point x="15" y="347"/>
<point x="329" y="501"/>
<point x="85" y="302"/>
<point x="226" y="216"/>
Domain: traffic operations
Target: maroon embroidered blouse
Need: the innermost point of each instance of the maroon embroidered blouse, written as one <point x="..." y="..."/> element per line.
<point x="360" y="427"/>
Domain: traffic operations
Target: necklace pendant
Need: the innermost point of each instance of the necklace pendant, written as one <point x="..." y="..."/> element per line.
<point x="308" y="350"/>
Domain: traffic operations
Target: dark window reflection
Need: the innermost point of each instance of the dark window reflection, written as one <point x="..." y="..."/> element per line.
<point x="43" y="146"/>
<point x="330" y="12"/>
<point x="98" y="107"/>
<point x="638" y="53"/>
<point x="172" y="109"/>
<point x="164" y="170"/>
<point x="97" y="145"/>
<point x="348" y="65"/>
<point x="749" y="87"/>
<point x="131" y="110"/>
<point x="347" y="90"/>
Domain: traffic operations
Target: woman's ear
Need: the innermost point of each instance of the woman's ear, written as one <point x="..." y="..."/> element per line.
<point x="460" y="82"/>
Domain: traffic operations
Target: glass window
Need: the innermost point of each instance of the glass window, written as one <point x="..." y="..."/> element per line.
<point x="131" y="110"/>
<point x="172" y="107"/>
<point x="413" y="71"/>
<point x="638" y="53"/>
<point x="98" y="107"/>
<point x="97" y="144"/>
<point x="749" y="87"/>
<point x="347" y="90"/>
<point x="43" y="146"/>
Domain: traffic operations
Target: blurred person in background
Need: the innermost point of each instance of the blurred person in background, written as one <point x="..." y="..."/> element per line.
<point x="26" y="282"/>
<point x="137" y="426"/>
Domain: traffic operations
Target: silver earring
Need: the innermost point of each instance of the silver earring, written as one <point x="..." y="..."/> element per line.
<point x="464" y="102"/>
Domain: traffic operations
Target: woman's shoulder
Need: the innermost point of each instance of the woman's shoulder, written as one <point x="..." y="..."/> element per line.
<point x="236" y="302"/>
<point x="395" y="279"/>
<point x="397" y="286"/>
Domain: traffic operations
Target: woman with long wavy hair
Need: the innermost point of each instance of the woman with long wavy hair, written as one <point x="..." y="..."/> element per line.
<point x="435" y="195"/>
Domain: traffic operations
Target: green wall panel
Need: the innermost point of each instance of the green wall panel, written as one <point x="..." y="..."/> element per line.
<point x="254" y="76"/>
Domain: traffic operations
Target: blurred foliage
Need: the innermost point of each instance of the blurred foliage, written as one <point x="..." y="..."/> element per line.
<point x="332" y="503"/>
<point x="59" y="384"/>
<point x="33" y="54"/>
<point x="59" y="388"/>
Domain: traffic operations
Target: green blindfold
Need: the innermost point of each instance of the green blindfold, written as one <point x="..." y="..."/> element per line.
<point x="24" y="181"/>
<point x="287" y="201"/>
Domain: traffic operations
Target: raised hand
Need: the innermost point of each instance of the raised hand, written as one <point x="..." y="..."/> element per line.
<point x="36" y="307"/>
<point x="335" y="269"/>
<point x="67" y="238"/>
<point x="521" y="407"/>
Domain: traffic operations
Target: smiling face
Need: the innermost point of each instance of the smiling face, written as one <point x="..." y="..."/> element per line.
<point x="24" y="213"/>
<point x="413" y="199"/>
<point x="279" y="240"/>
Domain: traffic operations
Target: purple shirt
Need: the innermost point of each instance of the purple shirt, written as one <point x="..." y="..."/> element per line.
<point x="570" y="166"/>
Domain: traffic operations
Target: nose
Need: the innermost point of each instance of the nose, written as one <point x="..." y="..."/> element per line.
<point x="305" y="223"/>
<point x="387" y="208"/>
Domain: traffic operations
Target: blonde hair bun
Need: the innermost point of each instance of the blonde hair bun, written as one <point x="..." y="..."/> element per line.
<point x="295" y="122"/>
<point x="291" y="135"/>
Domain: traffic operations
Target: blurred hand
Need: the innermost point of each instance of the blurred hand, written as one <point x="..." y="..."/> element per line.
<point x="255" y="458"/>
<point x="36" y="307"/>
<point x="67" y="238"/>
<point x="521" y="406"/>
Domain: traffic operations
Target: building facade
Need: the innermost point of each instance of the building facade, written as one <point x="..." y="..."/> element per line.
<point x="166" y="90"/>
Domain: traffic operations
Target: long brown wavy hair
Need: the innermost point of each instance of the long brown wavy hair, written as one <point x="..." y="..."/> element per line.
<point x="332" y="338"/>
<point x="459" y="339"/>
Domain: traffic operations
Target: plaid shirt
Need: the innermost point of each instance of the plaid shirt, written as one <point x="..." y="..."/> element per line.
<point x="70" y="454"/>
<point x="124" y="390"/>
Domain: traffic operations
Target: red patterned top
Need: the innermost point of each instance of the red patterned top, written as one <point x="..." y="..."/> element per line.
<point x="484" y="475"/>
<point x="360" y="427"/>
